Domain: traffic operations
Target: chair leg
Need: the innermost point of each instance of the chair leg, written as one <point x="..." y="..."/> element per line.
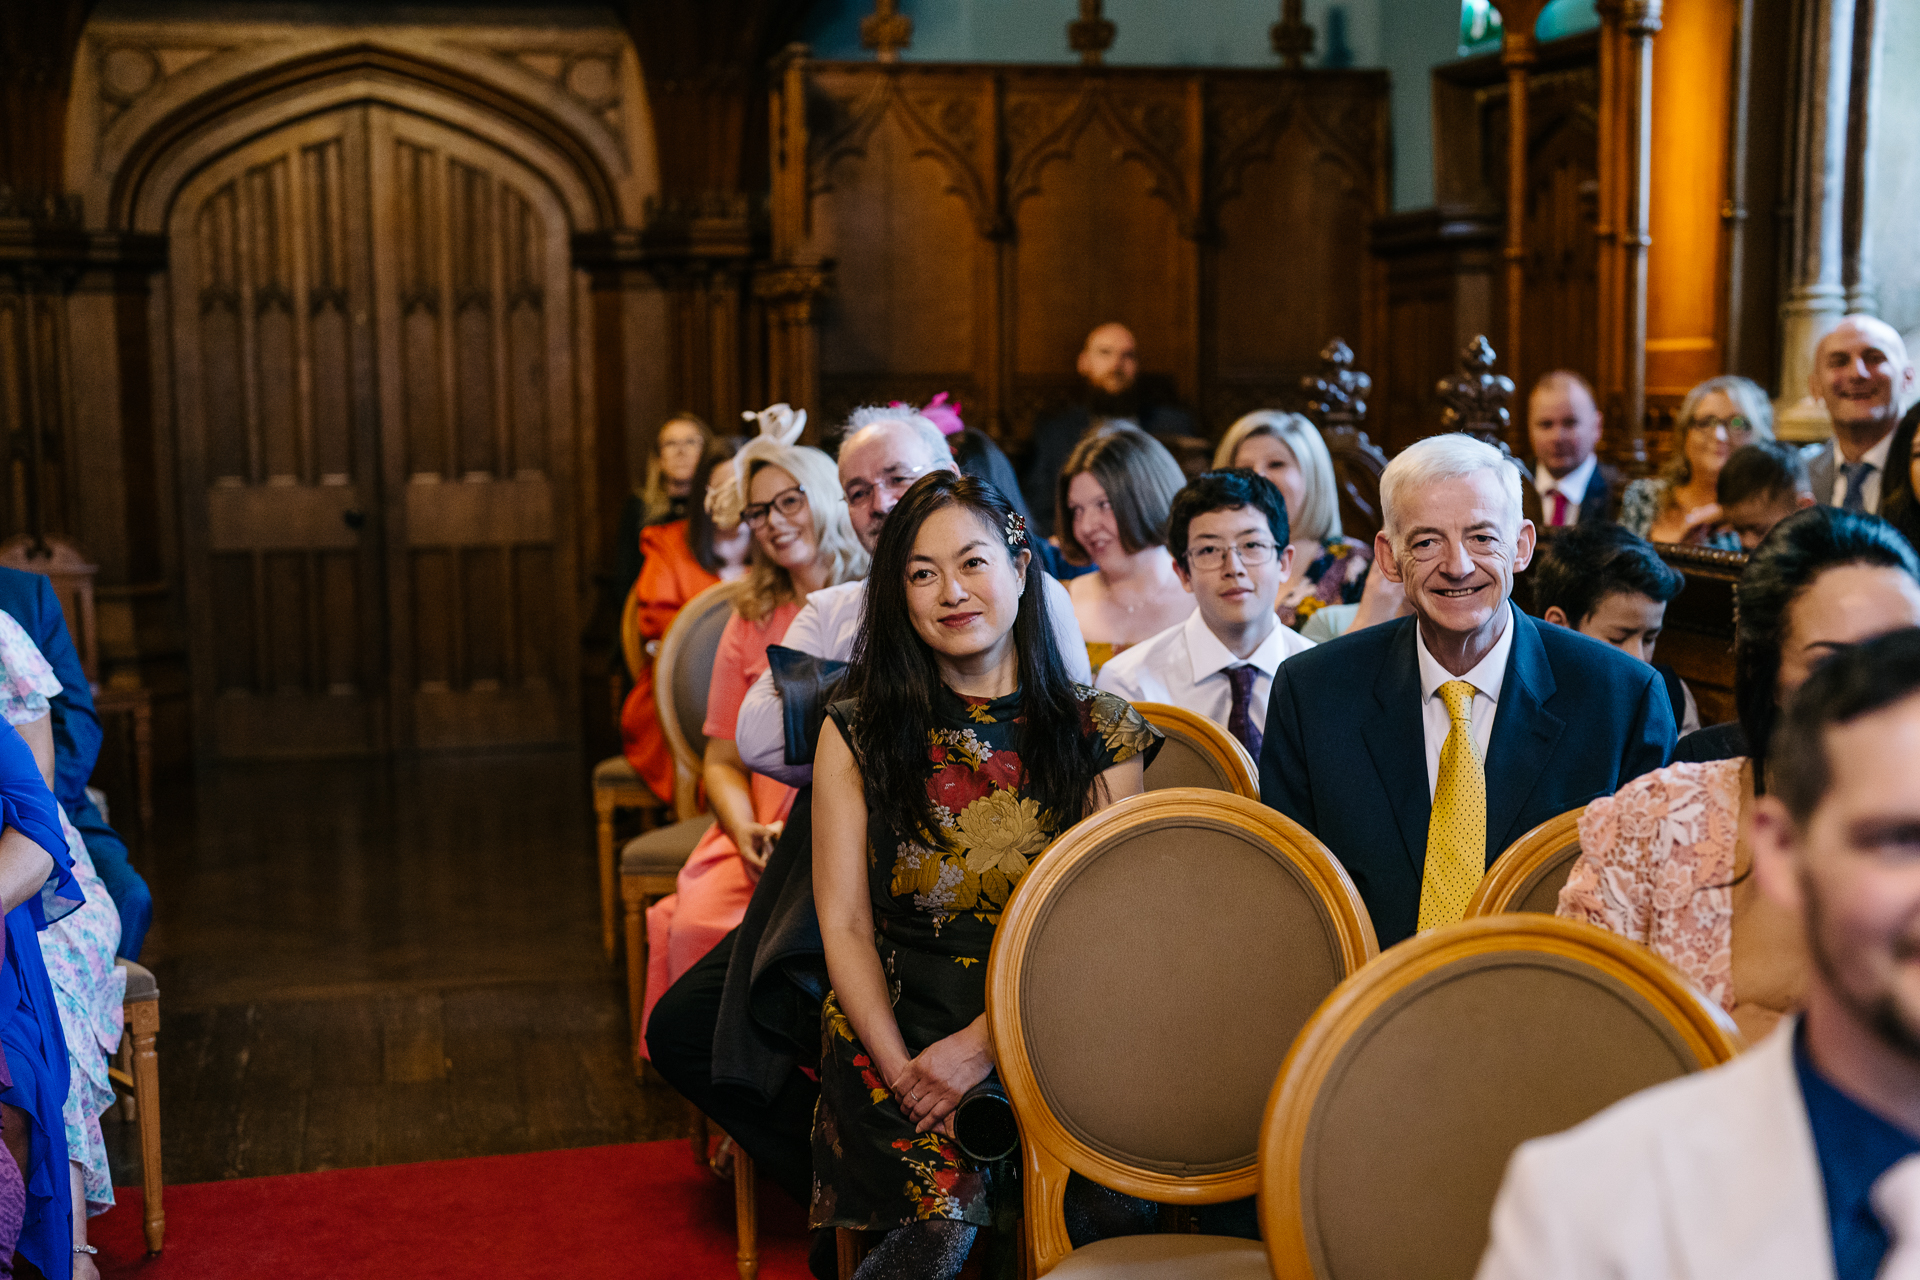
<point x="697" y="1135"/>
<point x="850" y="1250"/>
<point x="746" y="1216"/>
<point x="603" y="812"/>
<point x="143" y="764"/>
<point x="636" y="968"/>
<point x="145" y="1020"/>
<point x="123" y="1059"/>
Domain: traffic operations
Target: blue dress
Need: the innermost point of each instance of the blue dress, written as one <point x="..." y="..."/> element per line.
<point x="33" y="1075"/>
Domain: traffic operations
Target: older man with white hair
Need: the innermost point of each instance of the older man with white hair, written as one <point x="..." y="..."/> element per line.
<point x="1862" y="373"/>
<point x="1419" y="749"/>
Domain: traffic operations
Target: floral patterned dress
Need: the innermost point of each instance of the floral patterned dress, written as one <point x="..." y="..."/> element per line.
<point x="78" y="948"/>
<point x="1336" y="577"/>
<point x="934" y="912"/>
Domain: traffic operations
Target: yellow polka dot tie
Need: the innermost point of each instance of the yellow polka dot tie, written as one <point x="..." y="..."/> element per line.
<point x="1457" y="832"/>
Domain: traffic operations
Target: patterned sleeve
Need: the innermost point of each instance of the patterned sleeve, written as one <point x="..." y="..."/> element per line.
<point x="1606" y="884"/>
<point x="27" y="681"/>
<point x="1640" y="505"/>
<point x="1124" y="733"/>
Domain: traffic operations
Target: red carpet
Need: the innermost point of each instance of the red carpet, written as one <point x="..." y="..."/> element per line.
<point x="640" y="1211"/>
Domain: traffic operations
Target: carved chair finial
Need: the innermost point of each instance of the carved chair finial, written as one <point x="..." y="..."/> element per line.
<point x="1476" y="397"/>
<point x="1337" y="394"/>
<point x="1090" y="35"/>
<point x="1292" y="37"/>
<point x="886" y="30"/>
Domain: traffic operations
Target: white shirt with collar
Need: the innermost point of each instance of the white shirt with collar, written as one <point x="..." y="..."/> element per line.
<point x="826" y="627"/>
<point x="1186" y="666"/>
<point x="1573" y="484"/>
<point x="1870" y="488"/>
<point x="1486" y="679"/>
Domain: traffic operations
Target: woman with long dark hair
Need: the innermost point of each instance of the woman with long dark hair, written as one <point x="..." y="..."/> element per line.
<point x="1663" y="860"/>
<point x="961" y="753"/>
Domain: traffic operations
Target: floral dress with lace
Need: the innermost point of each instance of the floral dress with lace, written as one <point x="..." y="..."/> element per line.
<point x="1656" y="865"/>
<point x="935" y="911"/>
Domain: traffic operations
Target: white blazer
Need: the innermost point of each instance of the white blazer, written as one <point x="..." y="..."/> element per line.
<point x="1709" y="1176"/>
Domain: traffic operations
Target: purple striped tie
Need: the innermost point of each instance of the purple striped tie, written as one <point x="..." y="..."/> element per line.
<point x="1240" y="719"/>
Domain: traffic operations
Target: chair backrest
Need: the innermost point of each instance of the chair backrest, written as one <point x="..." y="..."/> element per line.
<point x="1529" y="875"/>
<point x="72" y="579"/>
<point x="1197" y="753"/>
<point x="1357" y="466"/>
<point x="632" y="647"/>
<point x="1144" y="986"/>
<point x="683" y="672"/>
<point x="1391" y="1124"/>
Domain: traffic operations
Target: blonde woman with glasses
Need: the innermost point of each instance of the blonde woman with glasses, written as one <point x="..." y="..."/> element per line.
<point x="1679" y="504"/>
<point x="1286" y="449"/>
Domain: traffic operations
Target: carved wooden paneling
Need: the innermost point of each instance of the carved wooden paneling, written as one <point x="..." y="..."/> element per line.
<point x="979" y="220"/>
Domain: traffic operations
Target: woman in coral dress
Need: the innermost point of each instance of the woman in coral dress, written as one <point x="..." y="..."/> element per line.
<point x="789" y="496"/>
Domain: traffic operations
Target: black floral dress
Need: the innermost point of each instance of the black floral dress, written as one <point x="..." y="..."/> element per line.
<point x="934" y="912"/>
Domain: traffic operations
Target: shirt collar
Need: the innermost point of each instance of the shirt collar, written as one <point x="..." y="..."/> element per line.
<point x="1573" y="484"/>
<point x="1486" y="678"/>
<point x="1210" y="657"/>
<point x="1876" y="455"/>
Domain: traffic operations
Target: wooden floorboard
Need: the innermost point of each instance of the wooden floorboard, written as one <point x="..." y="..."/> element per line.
<point x="380" y="963"/>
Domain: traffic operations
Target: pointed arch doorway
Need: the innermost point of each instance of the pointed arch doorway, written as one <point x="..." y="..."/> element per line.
<point x="372" y="340"/>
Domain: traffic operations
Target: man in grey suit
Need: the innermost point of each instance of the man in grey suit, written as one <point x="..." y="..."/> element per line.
<point x="1862" y="374"/>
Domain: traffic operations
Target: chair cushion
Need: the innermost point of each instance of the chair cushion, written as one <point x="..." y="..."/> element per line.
<point x="141" y="986"/>
<point x="615" y="772"/>
<point x="664" y="851"/>
<point x="1172" y="1256"/>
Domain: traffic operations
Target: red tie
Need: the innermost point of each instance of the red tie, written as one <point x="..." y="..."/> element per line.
<point x="1559" y="516"/>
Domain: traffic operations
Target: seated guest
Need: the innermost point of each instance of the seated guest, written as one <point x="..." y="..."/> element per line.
<point x="1663" y="861"/>
<point x="1900" y="495"/>
<point x="1417" y="750"/>
<point x="1681" y="504"/>
<point x="1762" y="484"/>
<point x="29" y="599"/>
<point x="1228" y="537"/>
<point x="664" y="496"/>
<point x="915" y="861"/>
<point x="1115" y="493"/>
<point x="1328" y="567"/>
<point x="683" y="558"/>
<point x="788" y="496"/>
<point x="1796" y="1159"/>
<point x="78" y="951"/>
<point x="1110" y="391"/>
<point x="754" y="1091"/>
<point x="1607" y="583"/>
<point x="1862" y="374"/>
<point x="1571" y="485"/>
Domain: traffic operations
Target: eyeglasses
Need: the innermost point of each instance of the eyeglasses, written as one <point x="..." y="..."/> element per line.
<point x="895" y="480"/>
<point x="1734" y="426"/>
<point x="788" y="502"/>
<point x="1252" y="552"/>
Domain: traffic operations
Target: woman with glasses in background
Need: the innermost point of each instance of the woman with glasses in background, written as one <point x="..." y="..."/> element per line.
<point x="789" y="496"/>
<point x="1679" y="505"/>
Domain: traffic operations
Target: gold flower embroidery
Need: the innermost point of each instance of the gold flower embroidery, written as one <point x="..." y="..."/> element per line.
<point x="978" y="713"/>
<point x="1121" y="727"/>
<point x="1000" y="832"/>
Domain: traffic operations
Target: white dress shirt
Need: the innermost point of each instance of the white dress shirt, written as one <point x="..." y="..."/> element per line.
<point x="826" y="627"/>
<point x="1486" y="679"/>
<point x="1573" y="484"/>
<point x="1870" y="488"/>
<point x="1186" y="666"/>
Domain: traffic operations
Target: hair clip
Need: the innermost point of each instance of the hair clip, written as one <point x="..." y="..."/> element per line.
<point x="1016" y="529"/>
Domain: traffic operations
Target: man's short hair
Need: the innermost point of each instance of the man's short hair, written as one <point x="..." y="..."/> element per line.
<point x="923" y="427"/>
<point x="1855" y="682"/>
<point x="1438" y="458"/>
<point x="1764" y="469"/>
<point x="1582" y="566"/>
<point x="1561" y="377"/>
<point x="1225" y="490"/>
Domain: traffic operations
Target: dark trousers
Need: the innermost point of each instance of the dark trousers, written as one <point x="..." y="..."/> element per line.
<point x="131" y="897"/>
<point x="779" y="1135"/>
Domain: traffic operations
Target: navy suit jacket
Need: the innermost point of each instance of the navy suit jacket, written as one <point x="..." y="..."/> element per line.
<point x="29" y="598"/>
<point x="1345" y="751"/>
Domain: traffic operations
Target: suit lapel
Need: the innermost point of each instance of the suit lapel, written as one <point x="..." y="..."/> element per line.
<point x="1397" y="743"/>
<point x="1524" y="733"/>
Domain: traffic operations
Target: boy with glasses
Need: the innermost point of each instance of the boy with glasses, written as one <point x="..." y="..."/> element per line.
<point x="1229" y="537"/>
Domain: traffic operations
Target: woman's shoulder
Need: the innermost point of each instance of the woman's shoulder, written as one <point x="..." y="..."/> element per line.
<point x="1699" y="795"/>
<point x="665" y="538"/>
<point x="1120" y="726"/>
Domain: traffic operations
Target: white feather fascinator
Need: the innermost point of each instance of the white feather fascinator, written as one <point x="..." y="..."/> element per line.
<point x="780" y="426"/>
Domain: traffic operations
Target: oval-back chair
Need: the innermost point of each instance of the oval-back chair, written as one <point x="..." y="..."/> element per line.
<point x="1197" y="753"/>
<point x="1143" y="987"/>
<point x="1390" y="1126"/>
<point x="1532" y="871"/>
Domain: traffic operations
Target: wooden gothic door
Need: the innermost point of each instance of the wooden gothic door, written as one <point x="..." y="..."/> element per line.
<point x="372" y="361"/>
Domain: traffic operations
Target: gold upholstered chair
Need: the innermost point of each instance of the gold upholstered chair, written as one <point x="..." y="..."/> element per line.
<point x="1197" y="753"/>
<point x="1142" y="991"/>
<point x="136" y="1071"/>
<point x="1530" y="874"/>
<point x="1391" y="1125"/>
